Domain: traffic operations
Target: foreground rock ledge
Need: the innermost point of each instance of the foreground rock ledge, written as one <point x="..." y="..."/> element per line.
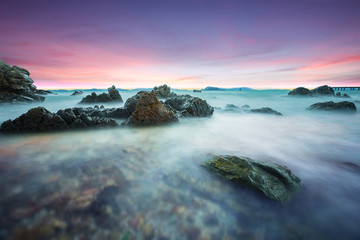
<point x="41" y="120"/>
<point x="275" y="181"/>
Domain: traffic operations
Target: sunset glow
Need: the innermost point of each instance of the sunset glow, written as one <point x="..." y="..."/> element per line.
<point x="185" y="44"/>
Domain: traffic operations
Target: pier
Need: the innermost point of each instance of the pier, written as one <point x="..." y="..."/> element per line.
<point x="346" y="88"/>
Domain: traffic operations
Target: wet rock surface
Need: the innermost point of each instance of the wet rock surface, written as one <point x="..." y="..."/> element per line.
<point x="150" y="111"/>
<point x="332" y="106"/>
<point x="41" y="120"/>
<point x="113" y="95"/>
<point x="275" y="181"/>
<point x="16" y="86"/>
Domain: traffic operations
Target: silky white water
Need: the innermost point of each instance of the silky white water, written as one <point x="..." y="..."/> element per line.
<point x="321" y="148"/>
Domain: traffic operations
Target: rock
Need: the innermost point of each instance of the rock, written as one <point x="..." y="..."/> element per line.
<point x="182" y="105"/>
<point x="196" y="90"/>
<point x="300" y="91"/>
<point x="150" y="111"/>
<point x="266" y="110"/>
<point x="16" y="86"/>
<point x="231" y="106"/>
<point x="323" y="91"/>
<point x="338" y="94"/>
<point x="331" y="106"/>
<point x="43" y="92"/>
<point x="188" y="106"/>
<point x="162" y="91"/>
<point x="113" y="95"/>
<point x="41" y="120"/>
<point x="275" y="181"/>
<point x="130" y="103"/>
<point x="77" y="93"/>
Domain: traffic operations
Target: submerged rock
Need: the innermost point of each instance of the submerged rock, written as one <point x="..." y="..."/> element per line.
<point x="323" y="91"/>
<point x="113" y="95"/>
<point x="150" y="111"/>
<point x="41" y="120"/>
<point x="331" y="106"/>
<point x="300" y="91"/>
<point x="16" y="86"/>
<point x="338" y="94"/>
<point x="266" y="110"/>
<point x="275" y="181"/>
<point x="77" y="93"/>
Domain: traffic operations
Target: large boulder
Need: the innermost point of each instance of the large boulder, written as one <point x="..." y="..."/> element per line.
<point x="16" y="86"/>
<point x="182" y="105"/>
<point x="275" y="181"/>
<point x="331" y="106"/>
<point x="188" y="106"/>
<point x="113" y="95"/>
<point x="266" y="110"/>
<point x="300" y="91"/>
<point x="323" y="91"/>
<point x="131" y="102"/>
<point x="41" y="120"/>
<point x="150" y="111"/>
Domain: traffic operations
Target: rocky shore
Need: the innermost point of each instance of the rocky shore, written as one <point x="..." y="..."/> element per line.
<point x="16" y="86"/>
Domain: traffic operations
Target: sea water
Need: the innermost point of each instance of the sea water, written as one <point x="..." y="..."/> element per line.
<point x="148" y="183"/>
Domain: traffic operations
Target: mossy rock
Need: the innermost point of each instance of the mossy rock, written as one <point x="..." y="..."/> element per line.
<point x="275" y="181"/>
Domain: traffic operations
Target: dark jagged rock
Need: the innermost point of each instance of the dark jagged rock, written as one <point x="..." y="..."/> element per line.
<point x="162" y="91"/>
<point x="266" y="110"/>
<point x="41" y="120"/>
<point x="323" y="91"/>
<point x="275" y="181"/>
<point x="300" y="91"/>
<point x="113" y="95"/>
<point x="188" y="106"/>
<point x="150" y="111"/>
<point x="16" y="86"/>
<point x="331" y="106"/>
<point x="131" y="102"/>
<point x="182" y="105"/>
<point x="77" y="93"/>
<point x="43" y="92"/>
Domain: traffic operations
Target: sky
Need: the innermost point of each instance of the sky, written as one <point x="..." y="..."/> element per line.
<point x="67" y="44"/>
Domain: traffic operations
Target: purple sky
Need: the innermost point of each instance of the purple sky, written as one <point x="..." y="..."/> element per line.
<point x="185" y="44"/>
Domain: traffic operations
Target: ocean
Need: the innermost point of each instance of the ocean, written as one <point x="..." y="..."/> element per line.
<point x="148" y="182"/>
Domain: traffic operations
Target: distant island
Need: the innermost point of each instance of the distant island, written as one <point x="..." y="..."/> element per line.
<point x="209" y="88"/>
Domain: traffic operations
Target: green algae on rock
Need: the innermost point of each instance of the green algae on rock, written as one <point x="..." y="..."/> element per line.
<point x="275" y="181"/>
